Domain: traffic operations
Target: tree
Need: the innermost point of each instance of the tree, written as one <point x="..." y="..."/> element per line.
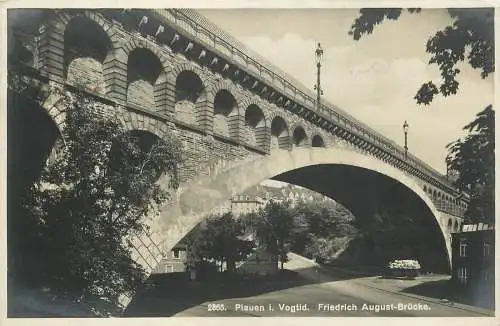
<point x="89" y="199"/>
<point x="219" y="238"/>
<point x="228" y="244"/>
<point x="275" y="228"/>
<point x="469" y="38"/>
<point x="473" y="157"/>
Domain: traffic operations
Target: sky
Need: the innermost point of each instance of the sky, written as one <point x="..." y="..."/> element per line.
<point x="373" y="79"/>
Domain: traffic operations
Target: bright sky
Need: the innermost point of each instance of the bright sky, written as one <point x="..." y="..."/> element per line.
<point x="373" y="79"/>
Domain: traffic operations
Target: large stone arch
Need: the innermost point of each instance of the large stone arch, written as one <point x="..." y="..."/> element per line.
<point x="53" y="35"/>
<point x="87" y="47"/>
<point x="131" y="121"/>
<point x="118" y="80"/>
<point x="179" y="109"/>
<point x="300" y="135"/>
<point x="233" y="118"/>
<point x="318" y="140"/>
<point x="283" y="140"/>
<point x="258" y="132"/>
<point x="205" y="193"/>
<point x="150" y="91"/>
<point x="35" y="132"/>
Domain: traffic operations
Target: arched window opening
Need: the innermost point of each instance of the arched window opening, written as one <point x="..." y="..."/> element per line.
<point x="224" y="110"/>
<point x="254" y="126"/>
<point x="317" y="141"/>
<point x="279" y="134"/>
<point x="86" y="46"/>
<point x="144" y="68"/>
<point x="188" y="91"/>
<point x="299" y="137"/>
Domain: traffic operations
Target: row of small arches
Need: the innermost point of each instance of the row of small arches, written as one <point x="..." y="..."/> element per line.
<point x="87" y="52"/>
<point x="440" y="197"/>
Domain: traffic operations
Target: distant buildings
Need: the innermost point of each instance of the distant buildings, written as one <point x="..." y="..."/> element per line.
<point x="174" y="261"/>
<point x="257" y="197"/>
<point x="244" y="204"/>
<point x="473" y="260"/>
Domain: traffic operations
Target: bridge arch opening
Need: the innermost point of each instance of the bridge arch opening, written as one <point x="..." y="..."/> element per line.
<point x="395" y="220"/>
<point x="371" y="189"/>
<point x="189" y="93"/>
<point x="143" y="71"/>
<point x="225" y="114"/>
<point x="279" y="134"/>
<point x="31" y="136"/>
<point x="299" y="137"/>
<point x="86" y="46"/>
<point x="255" y="127"/>
<point x="317" y="141"/>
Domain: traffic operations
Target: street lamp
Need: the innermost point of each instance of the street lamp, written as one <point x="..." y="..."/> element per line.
<point x="405" y="129"/>
<point x="317" y="87"/>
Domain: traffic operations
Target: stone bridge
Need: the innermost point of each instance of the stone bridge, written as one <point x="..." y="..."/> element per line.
<point x="240" y="120"/>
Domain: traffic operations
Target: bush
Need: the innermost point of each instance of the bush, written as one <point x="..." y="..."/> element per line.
<point x="324" y="249"/>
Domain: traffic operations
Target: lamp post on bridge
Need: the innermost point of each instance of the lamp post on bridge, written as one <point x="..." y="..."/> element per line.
<point x="405" y="129"/>
<point x="317" y="87"/>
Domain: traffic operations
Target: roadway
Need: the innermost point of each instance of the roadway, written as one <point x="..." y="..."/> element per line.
<point x="331" y="294"/>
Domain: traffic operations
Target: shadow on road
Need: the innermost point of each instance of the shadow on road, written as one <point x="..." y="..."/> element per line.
<point x="443" y="289"/>
<point x="169" y="294"/>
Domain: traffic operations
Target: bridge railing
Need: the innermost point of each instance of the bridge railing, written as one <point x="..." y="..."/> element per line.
<point x="208" y="32"/>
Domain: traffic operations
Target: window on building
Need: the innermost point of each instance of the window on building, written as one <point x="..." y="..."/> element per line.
<point x="169" y="269"/>
<point x="176" y="253"/>
<point x="463" y="275"/>
<point x="463" y="247"/>
<point x="485" y="275"/>
<point x="486" y="249"/>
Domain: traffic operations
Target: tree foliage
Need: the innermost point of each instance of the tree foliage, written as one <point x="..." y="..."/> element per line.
<point x="323" y="249"/>
<point x="470" y="38"/>
<point x="473" y="157"/>
<point x="326" y="218"/>
<point x="276" y="226"/>
<point x="89" y="199"/>
<point x="220" y="238"/>
<point x="329" y="227"/>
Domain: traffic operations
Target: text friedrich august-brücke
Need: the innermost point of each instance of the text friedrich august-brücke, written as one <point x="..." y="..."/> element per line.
<point x="326" y="307"/>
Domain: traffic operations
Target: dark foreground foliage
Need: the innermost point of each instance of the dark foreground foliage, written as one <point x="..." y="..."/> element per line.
<point x="71" y="236"/>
